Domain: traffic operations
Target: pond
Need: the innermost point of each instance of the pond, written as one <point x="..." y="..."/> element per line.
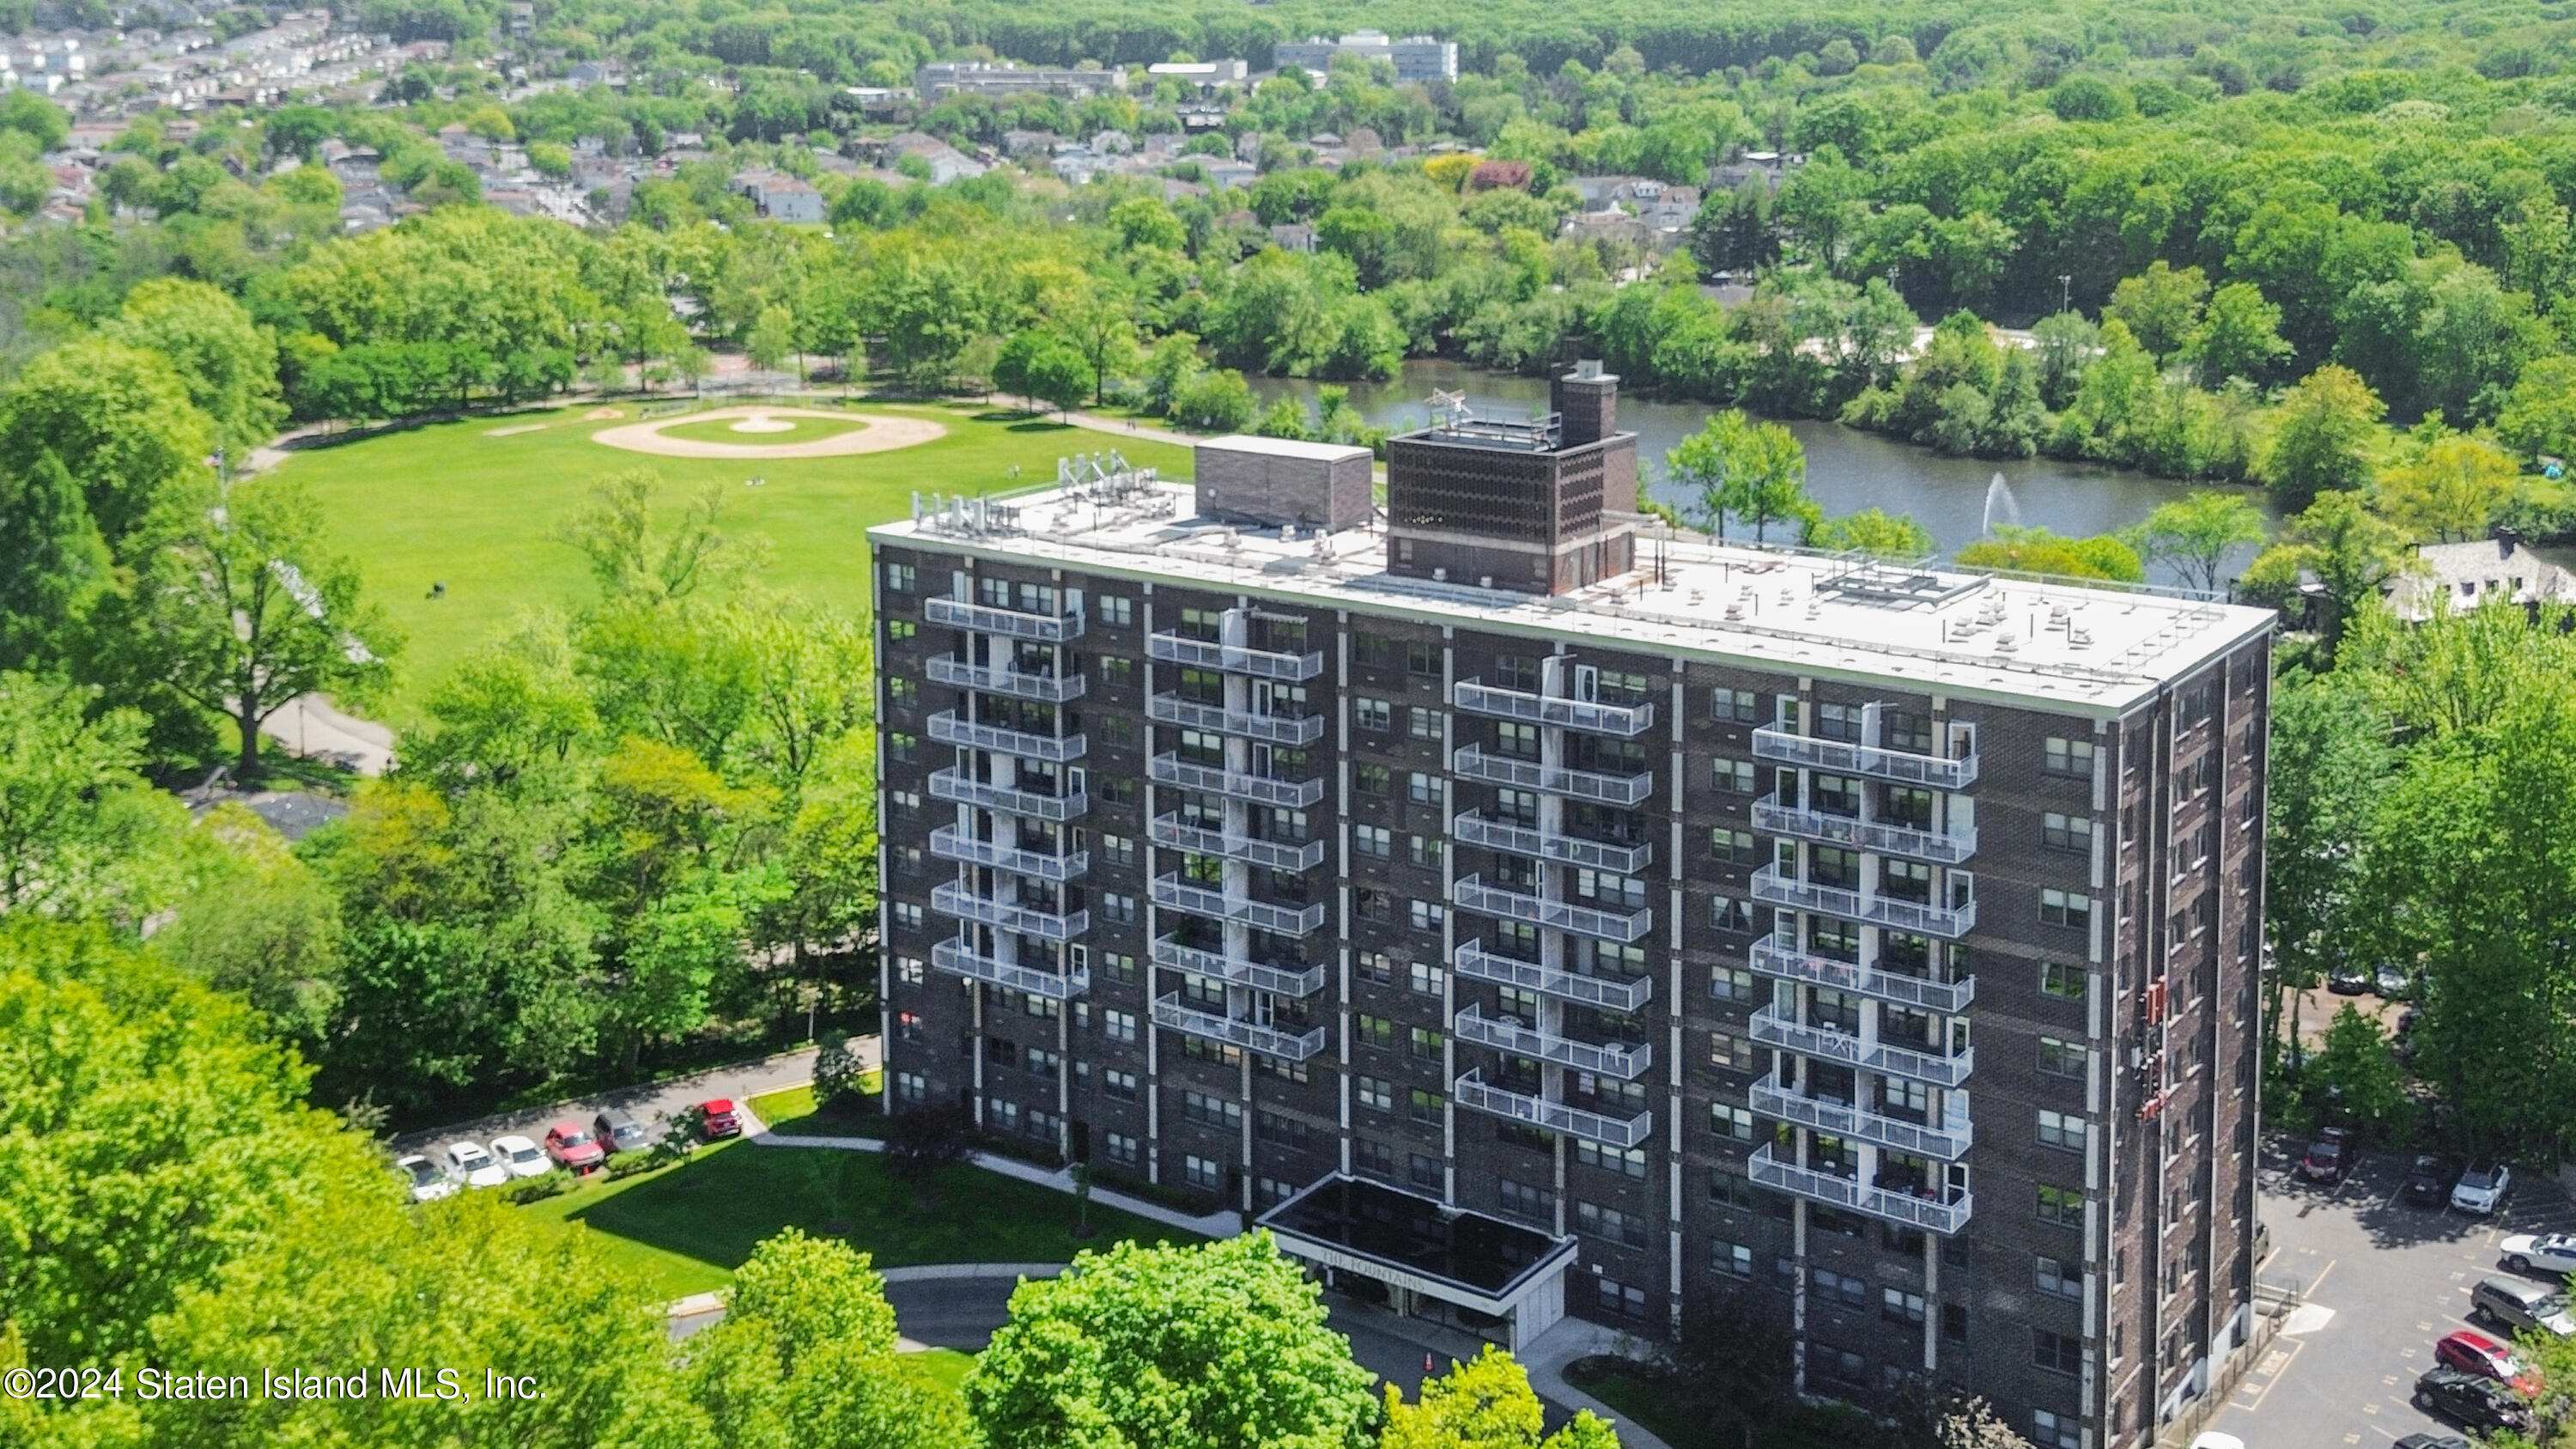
<point x="1847" y="470"/>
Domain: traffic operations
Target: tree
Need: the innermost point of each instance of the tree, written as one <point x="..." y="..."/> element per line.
<point x="2322" y="439"/>
<point x="1874" y="532"/>
<point x="2037" y="550"/>
<point x="243" y="608"/>
<point x="2239" y="336"/>
<point x="2065" y="343"/>
<point x="923" y="1142"/>
<point x="53" y="564"/>
<point x="228" y="365"/>
<point x="1485" y="1403"/>
<point x="2195" y="534"/>
<point x="81" y="833"/>
<point x="2161" y="306"/>
<point x="2354" y="1070"/>
<point x="631" y="557"/>
<point x="2539" y="416"/>
<point x="2473" y="341"/>
<point x="259" y="924"/>
<point x="1213" y="401"/>
<point x="1221" y="1346"/>
<point x="118" y="418"/>
<point x="772" y="339"/>
<point x="2349" y="551"/>
<point x="2330" y="762"/>
<point x="2452" y="489"/>
<point x="1041" y="367"/>
<point x="1756" y="472"/>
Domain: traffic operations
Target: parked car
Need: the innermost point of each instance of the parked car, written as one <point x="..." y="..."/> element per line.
<point x="2472" y="1352"/>
<point x="717" y="1119"/>
<point x="2481" y="1189"/>
<point x="2551" y="1253"/>
<point x="470" y="1164"/>
<point x="2517" y="1306"/>
<point x="2434" y="1441"/>
<point x="523" y="1157"/>
<point x="2393" y="983"/>
<point x="429" y="1182"/>
<point x="2329" y="1157"/>
<point x="2429" y="1178"/>
<point x="2349" y="980"/>
<point x="618" y="1131"/>
<point x="571" y="1146"/>
<point x="2477" y="1403"/>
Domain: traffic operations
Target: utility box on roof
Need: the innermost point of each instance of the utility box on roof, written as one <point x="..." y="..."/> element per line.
<point x="1274" y="481"/>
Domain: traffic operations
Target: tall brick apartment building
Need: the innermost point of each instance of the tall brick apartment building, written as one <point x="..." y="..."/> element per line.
<point x="1523" y="914"/>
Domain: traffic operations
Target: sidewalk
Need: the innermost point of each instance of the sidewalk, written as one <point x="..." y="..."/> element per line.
<point x="1221" y="1224"/>
<point x="1571" y="1339"/>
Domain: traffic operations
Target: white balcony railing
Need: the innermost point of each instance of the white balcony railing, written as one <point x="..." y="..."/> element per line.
<point x="1624" y="720"/>
<point x="1778" y="955"/>
<point x="948" y="729"/>
<point x="1269" y="1041"/>
<point x="1472" y="1092"/>
<point x="1036" y="805"/>
<point x="950" y="843"/>
<point x="1259" y="975"/>
<point x="1472" y="894"/>
<point x="1610" y="1059"/>
<point x="1916" y="917"/>
<point x="1233" y="658"/>
<point x="1475" y="828"/>
<point x="1879" y="837"/>
<point x="1770" y="1028"/>
<point x="1008" y="623"/>
<point x="1471" y="762"/>
<point x="957" y="960"/>
<point x="1836" y="1119"/>
<point x="1845" y="757"/>
<point x="1234" y="784"/>
<point x="1942" y="1215"/>
<point x="965" y="905"/>
<point x="1276" y="729"/>
<point x="1171" y="830"/>
<point x="1215" y="905"/>
<point x="1045" y="688"/>
<point x="1609" y="993"/>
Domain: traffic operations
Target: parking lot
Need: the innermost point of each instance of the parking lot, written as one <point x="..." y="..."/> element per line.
<point x="2381" y="1280"/>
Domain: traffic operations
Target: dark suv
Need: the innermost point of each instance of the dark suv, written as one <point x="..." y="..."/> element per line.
<point x="2475" y="1402"/>
<point x="2329" y="1157"/>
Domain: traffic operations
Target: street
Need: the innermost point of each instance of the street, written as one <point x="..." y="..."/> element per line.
<point x="2381" y="1280"/>
<point x="651" y="1103"/>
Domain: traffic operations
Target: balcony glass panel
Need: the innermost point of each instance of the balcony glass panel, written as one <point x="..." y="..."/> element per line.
<point x="1291" y="1046"/>
<point x="1235" y="784"/>
<point x="950" y="843"/>
<point x="1850" y="758"/>
<point x="1625" y="721"/>
<point x="1259" y="975"/>
<point x="1215" y="905"/>
<point x="1045" y="688"/>
<point x="1878" y="836"/>
<point x="1008" y="623"/>
<point x="1471" y="762"/>
<point x="958" y="788"/>
<point x="957" y="960"/>
<point x="1472" y="1092"/>
<point x="948" y="729"/>
<point x="966" y="905"/>
<point x="1934" y="1214"/>
<point x="1612" y="1059"/>
<point x="1772" y="888"/>
<point x="1474" y="961"/>
<point x="1233" y="658"/>
<point x="1277" y="729"/>
<point x="1472" y="894"/>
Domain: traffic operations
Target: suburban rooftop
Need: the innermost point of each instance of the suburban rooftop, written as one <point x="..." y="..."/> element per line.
<point x="2046" y="644"/>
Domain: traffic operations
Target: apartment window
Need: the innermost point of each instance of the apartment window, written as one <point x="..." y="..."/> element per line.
<point x="899" y="578"/>
<point x="1374" y="840"/>
<point x="1839" y="1290"/>
<point x="1954" y="1322"/>
<point x="2067" y="757"/>
<point x="1424" y="789"/>
<point x="1837" y="1366"/>
<point x="1118" y="966"/>
<point x="1210" y="1111"/>
<point x="1424" y="1043"/>
<point x="1375" y="1093"/>
<point x="1117" y="789"/>
<point x="1426" y="915"/>
<point x="1116" y="610"/>
<point x="1118" y="850"/>
<point x="1424" y="1171"/>
<point x="1730" y="913"/>
<point x="1422" y="659"/>
<point x="2061" y="1206"/>
<point x="1375" y="966"/>
<point x="1424" y="852"/>
<point x="1373" y="904"/>
<point x="907" y="915"/>
<point x="2058" y="979"/>
<point x="2059" y="1353"/>
<point x="1373" y="649"/>
<point x="1731" y="1190"/>
<point x="1373" y="780"/>
<point x="1517" y="671"/>
<point x="2061" y="1129"/>
<point x="1626" y="1161"/>
<point x="2065" y="908"/>
<point x="1119" y="1085"/>
<point x="1423" y="1105"/>
<point x="2058" y="1278"/>
<point x="1522" y="1200"/>
<point x="1118" y="673"/>
<point x="1117" y="907"/>
<point x="907" y="1026"/>
<point x="1374" y="1158"/>
<point x="1377" y="1031"/>
<point x="1425" y="724"/>
<point x="1043" y="1064"/>
<point x="1733" y="706"/>
<point x="1003" y="1116"/>
<point x="904" y="802"/>
<point x="1372" y="714"/>
<point x="1733" y="1260"/>
<point x="1733" y="1123"/>
<point x="1286" y="1071"/>
<point x="2060" y="1057"/>
<point x="1613" y="1296"/>
<point x="903" y="747"/>
<point x="2057" y="1431"/>
<point x="907" y="969"/>
<point x="1429" y="979"/>
<point x="902" y="631"/>
<point x="1116" y="730"/>
<point x="1730" y="983"/>
<point x="1733" y="846"/>
<point x="1610" y="1224"/>
<point x="1202" y="1173"/>
<point x="1733" y="777"/>
<point x="902" y="692"/>
<point x="1730" y="1051"/>
<point x="1898" y="1306"/>
<point x="2066" y="832"/>
<point x="1118" y="1025"/>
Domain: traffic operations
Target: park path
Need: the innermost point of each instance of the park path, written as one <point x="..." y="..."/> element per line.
<point x="312" y="727"/>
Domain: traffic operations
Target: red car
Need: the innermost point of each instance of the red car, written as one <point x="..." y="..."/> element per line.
<point x="717" y="1120"/>
<point x="572" y="1147"/>
<point x="2472" y="1352"/>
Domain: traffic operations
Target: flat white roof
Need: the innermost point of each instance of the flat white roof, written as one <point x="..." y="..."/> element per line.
<point x="1285" y="447"/>
<point x="2046" y="645"/>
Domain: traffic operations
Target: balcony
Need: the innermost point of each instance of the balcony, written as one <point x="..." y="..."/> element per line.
<point x="1268" y="1041"/>
<point x="1610" y="1059"/>
<point x="1778" y="955"/>
<point x="1471" y="1092"/>
<point x="1606" y="992"/>
<point x="1472" y="894"/>
<point x="1835" y="1119"/>
<point x="1277" y="729"/>
<point x="1626" y="721"/>
<point x="1259" y="975"/>
<point x="1476" y="828"/>
<point x="1171" y="830"/>
<point x="1472" y="763"/>
<point x="1916" y="917"/>
<point x="950" y="843"/>
<point x="965" y="905"/>
<point x="1845" y="757"/>
<point x="1007" y="623"/>
<point x="1932" y="1214"/>
<point x="952" y="786"/>
<point x="1878" y="836"/>
<point x="1215" y="905"/>
<point x="956" y="959"/>
<point x="1772" y="1029"/>
<point x="1233" y="658"/>
<point x="948" y="729"/>
<point x="1233" y="784"/>
<point x="1044" y="688"/>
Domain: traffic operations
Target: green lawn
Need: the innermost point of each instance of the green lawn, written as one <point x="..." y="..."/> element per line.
<point x="945" y="1367"/>
<point x="690" y="1226"/>
<point x="800" y="430"/>
<point x="793" y="1112"/>
<point x="449" y="502"/>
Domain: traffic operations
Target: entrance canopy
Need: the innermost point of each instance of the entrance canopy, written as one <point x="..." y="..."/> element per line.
<point x="1408" y="1241"/>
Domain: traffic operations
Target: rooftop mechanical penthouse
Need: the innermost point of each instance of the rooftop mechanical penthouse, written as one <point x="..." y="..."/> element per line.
<point x="1525" y="914"/>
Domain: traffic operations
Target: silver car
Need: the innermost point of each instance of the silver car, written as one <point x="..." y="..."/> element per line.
<point x="2482" y="1188"/>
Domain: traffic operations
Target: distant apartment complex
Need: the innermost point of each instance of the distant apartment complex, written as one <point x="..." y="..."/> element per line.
<point x="980" y="78"/>
<point x="1523" y="913"/>
<point x="1416" y="58"/>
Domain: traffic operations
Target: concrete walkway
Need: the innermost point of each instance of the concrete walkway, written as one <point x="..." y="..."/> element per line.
<point x="310" y="726"/>
<point x="1222" y="1224"/>
<point x="1571" y="1339"/>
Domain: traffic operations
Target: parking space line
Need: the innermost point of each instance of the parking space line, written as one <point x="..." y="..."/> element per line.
<point x="2278" y="1371"/>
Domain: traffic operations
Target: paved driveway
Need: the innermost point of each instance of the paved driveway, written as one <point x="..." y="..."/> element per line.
<point x="651" y="1103"/>
<point x="2382" y="1280"/>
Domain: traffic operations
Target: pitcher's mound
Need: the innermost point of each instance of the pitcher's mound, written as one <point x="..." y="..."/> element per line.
<point x="858" y="433"/>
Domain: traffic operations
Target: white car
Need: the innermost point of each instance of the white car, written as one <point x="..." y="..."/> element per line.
<point x="428" y="1181"/>
<point x="2552" y="1253"/>
<point x="2482" y="1188"/>
<point x="522" y="1157"/>
<point x="470" y="1164"/>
